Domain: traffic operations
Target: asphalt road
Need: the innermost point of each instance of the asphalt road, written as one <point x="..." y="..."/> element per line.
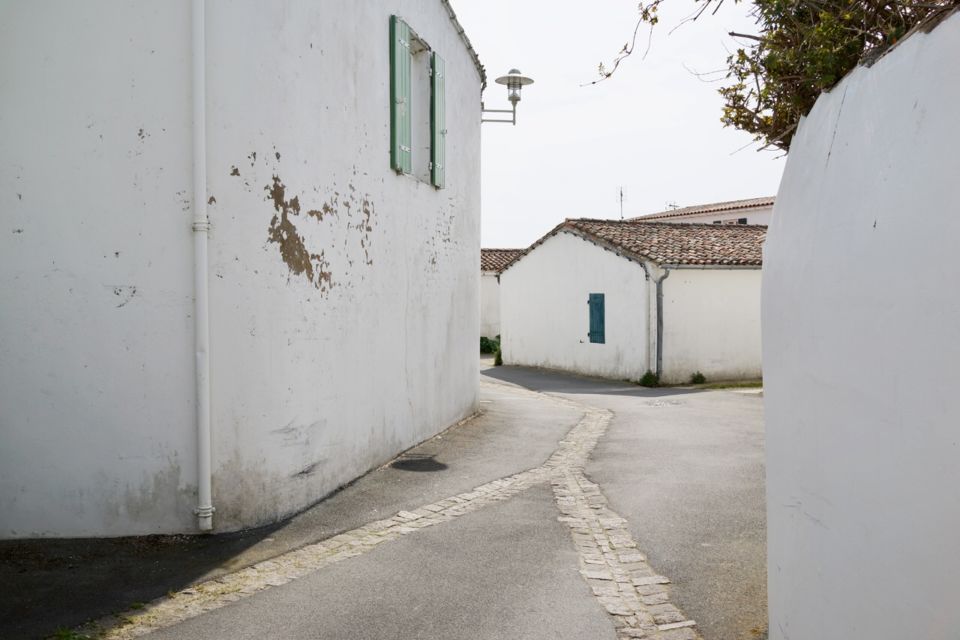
<point x="508" y="571"/>
<point x="686" y="469"/>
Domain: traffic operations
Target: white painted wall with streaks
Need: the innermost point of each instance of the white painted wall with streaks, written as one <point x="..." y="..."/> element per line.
<point x="344" y="298"/>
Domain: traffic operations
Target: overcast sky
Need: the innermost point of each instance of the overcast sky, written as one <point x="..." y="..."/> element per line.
<point x="653" y="128"/>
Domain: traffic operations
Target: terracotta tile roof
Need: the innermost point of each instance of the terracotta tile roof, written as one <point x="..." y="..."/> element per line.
<point x="497" y="259"/>
<point x="716" y="207"/>
<point x="669" y="243"/>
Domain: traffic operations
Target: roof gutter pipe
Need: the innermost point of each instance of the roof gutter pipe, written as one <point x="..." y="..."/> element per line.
<point x="742" y="267"/>
<point x="201" y="229"/>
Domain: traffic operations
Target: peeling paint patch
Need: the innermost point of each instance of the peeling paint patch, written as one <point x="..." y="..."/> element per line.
<point x="326" y="210"/>
<point x="212" y="200"/>
<point x="313" y="266"/>
<point x="312" y="254"/>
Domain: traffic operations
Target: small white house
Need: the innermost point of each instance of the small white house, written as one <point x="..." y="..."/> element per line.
<point x="751" y="211"/>
<point x="492" y="262"/>
<point x="619" y="298"/>
<point x="238" y="258"/>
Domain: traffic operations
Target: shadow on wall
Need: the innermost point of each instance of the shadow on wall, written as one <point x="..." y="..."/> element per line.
<point x="89" y="578"/>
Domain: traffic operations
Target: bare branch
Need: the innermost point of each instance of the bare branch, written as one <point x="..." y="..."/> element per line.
<point x="624" y="54"/>
<point x="702" y="75"/>
<point x="734" y="34"/>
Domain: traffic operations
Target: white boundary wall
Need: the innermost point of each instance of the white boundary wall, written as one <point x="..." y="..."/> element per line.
<point x="314" y="380"/>
<point x="489" y="304"/>
<point x="861" y="321"/>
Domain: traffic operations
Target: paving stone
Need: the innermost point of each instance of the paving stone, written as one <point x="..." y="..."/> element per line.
<point x="597" y="574"/>
<point x="657" y="598"/>
<point x="677" y="625"/>
<point x="648" y="580"/>
<point x="677" y="634"/>
<point x="666" y="613"/>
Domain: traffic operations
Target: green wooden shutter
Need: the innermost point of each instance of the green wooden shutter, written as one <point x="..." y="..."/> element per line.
<point x="438" y="122"/>
<point x="597" y="321"/>
<point x="400" y="128"/>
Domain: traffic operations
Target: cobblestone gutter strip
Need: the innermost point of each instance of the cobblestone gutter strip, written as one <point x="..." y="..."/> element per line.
<point x="213" y="594"/>
<point x="635" y="596"/>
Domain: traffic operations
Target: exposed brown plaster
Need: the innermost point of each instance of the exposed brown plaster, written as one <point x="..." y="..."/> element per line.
<point x="305" y="261"/>
<point x="212" y="200"/>
<point x="326" y="210"/>
<point x="234" y="171"/>
<point x="293" y="251"/>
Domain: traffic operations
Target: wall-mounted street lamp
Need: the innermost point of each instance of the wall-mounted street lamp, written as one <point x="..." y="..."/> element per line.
<point x="515" y="81"/>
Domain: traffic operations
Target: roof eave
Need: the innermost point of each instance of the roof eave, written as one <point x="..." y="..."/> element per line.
<point x="466" y="41"/>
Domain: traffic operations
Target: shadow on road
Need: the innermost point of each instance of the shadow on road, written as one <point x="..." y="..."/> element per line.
<point x="53" y="584"/>
<point x="552" y="381"/>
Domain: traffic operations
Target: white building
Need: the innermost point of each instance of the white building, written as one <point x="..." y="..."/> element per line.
<point x="861" y="328"/>
<point x="619" y="298"/>
<point x="492" y="262"/>
<point x="231" y="275"/>
<point x="751" y="211"/>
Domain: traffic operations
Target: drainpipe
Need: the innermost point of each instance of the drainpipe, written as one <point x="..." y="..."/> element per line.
<point x="659" y="283"/>
<point x="648" y="278"/>
<point x="201" y="228"/>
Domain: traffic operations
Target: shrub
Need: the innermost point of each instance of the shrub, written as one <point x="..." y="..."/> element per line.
<point x="488" y="345"/>
<point x="498" y="359"/>
<point x="650" y="379"/>
<point x="698" y="378"/>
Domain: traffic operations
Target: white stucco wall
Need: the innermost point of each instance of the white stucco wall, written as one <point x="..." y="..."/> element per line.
<point x="314" y="379"/>
<point x="96" y="262"/>
<point x="489" y="304"/>
<point x="861" y="321"/>
<point x="544" y="315"/>
<point x="711" y="324"/>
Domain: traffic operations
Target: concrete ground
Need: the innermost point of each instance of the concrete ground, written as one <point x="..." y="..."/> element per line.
<point x="684" y="469"/>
